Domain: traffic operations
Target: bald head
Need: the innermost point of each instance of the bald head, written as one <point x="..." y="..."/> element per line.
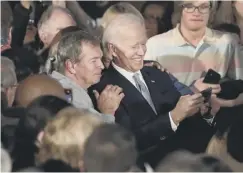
<point x="35" y="86"/>
<point x="52" y="21"/>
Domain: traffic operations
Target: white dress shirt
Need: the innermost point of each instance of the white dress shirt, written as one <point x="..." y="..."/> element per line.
<point x="129" y="76"/>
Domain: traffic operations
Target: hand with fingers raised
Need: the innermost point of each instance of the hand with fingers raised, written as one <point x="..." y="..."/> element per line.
<point x="109" y="99"/>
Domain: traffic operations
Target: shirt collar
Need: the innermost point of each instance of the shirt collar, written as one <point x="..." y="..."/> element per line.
<point x="60" y="77"/>
<point x="180" y="41"/>
<point x="124" y="72"/>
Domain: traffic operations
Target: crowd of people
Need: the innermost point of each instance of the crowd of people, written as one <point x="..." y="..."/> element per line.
<point x="120" y="86"/>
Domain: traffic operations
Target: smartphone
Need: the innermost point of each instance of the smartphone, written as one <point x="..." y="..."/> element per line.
<point x="69" y="95"/>
<point x="212" y="77"/>
<point x="206" y="94"/>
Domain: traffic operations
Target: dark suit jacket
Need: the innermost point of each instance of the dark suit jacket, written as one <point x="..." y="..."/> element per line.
<point x="134" y="111"/>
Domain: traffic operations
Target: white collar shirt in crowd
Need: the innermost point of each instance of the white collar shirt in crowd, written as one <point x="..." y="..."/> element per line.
<point x="187" y="63"/>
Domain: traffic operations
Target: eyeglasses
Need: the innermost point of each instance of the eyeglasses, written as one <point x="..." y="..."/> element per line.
<point x="189" y="8"/>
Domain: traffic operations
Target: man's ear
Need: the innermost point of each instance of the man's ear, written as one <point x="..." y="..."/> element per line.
<point x="112" y="49"/>
<point x="69" y="66"/>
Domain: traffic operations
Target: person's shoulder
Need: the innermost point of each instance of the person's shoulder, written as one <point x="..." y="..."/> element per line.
<point x="152" y="71"/>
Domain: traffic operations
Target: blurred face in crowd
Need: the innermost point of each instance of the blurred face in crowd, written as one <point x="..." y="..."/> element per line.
<point x="130" y="47"/>
<point x="195" y="14"/>
<point x="58" y="20"/>
<point x="153" y="13"/>
<point x="88" y="69"/>
<point x="238" y="5"/>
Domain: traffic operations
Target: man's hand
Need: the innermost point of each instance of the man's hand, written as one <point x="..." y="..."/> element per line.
<point x="239" y="100"/>
<point x="156" y="65"/>
<point x="187" y="106"/>
<point x="109" y="99"/>
<point x="200" y="86"/>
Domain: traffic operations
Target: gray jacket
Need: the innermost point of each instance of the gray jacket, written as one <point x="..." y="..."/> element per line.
<point x="80" y="98"/>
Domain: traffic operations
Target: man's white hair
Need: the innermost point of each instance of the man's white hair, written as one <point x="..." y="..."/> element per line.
<point x="120" y="24"/>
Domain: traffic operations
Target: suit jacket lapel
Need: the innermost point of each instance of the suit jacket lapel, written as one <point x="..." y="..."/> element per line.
<point x="132" y="95"/>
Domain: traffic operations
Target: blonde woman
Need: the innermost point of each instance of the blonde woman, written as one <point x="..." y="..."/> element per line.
<point x="64" y="138"/>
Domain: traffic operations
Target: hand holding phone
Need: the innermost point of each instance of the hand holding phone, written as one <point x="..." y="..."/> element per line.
<point x="212" y="77"/>
<point x="200" y="86"/>
<point x="206" y="94"/>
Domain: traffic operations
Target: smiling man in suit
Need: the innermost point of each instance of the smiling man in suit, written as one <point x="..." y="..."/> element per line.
<point x="152" y="107"/>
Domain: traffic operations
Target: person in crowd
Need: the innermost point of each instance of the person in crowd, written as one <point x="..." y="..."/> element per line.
<point x="230" y="12"/>
<point x="181" y="39"/>
<point x="65" y="136"/>
<point x="21" y="16"/>
<point x="6" y="19"/>
<point x="176" y="15"/>
<point x="121" y="8"/>
<point x="227" y="145"/>
<point x="78" y="67"/>
<point x="26" y="62"/>
<point x="8" y="81"/>
<point x="118" y="8"/>
<point x="152" y="107"/>
<point x="15" y="24"/>
<point x="194" y="44"/>
<point x="111" y="13"/>
<point x="29" y="131"/>
<point x="13" y="30"/>
<point x="51" y="21"/>
<point x="110" y="148"/>
<point x="157" y="15"/>
<point x="51" y="63"/>
<point x="35" y="86"/>
<point x="184" y="161"/>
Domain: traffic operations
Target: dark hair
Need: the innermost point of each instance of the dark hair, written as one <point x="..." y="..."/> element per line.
<point x="235" y="140"/>
<point x="110" y="148"/>
<point x="70" y="47"/>
<point x="184" y="161"/>
<point x="164" y="24"/>
<point x="57" y="166"/>
<point x="26" y="61"/>
<point x="226" y="27"/>
<point x="38" y="113"/>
